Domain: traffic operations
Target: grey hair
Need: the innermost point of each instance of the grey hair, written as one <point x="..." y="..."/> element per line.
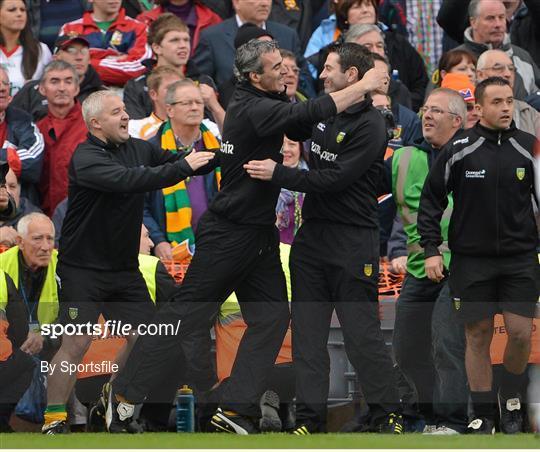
<point x="59" y="65"/>
<point x="170" y="95"/>
<point x="456" y="104"/>
<point x="483" y="58"/>
<point x="93" y="104"/>
<point x="358" y="30"/>
<point x="474" y="8"/>
<point x="24" y="222"/>
<point x="248" y="57"/>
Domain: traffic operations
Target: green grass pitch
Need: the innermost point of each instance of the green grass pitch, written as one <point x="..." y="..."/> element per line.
<point x="267" y="441"/>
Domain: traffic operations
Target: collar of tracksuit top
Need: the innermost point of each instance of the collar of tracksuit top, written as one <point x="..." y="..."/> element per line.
<point x="247" y="86"/>
<point x="496" y="136"/>
<point x="107" y="145"/>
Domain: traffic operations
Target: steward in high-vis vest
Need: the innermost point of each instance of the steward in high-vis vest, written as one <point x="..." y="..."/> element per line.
<point x="428" y="342"/>
<point x="32" y="267"/>
<point x="16" y="367"/>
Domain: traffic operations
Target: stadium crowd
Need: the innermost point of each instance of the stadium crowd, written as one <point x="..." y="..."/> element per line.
<point x="281" y="153"/>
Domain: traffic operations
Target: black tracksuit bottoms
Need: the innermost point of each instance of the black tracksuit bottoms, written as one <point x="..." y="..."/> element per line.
<point x="229" y="257"/>
<point x="336" y="266"/>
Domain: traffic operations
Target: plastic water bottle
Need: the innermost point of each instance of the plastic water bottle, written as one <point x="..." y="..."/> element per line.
<point x="395" y="74"/>
<point x="185" y="410"/>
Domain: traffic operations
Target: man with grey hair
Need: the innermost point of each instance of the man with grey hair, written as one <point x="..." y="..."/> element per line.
<point x="496" y="63"/>
<point x="32" y="267"/>
<point x="487" y="30"/>
<point x="63" y="129"/>
<point x="428" y="343"/>
<point x="238" y="241"/>
<point x="98" y="254"/>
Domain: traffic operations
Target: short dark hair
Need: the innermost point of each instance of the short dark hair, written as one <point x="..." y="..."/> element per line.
<point x="162" y="25"/>
<point x="377" y="57"/>
<point x="480" y="90"/>
<point x="353" y="55"/>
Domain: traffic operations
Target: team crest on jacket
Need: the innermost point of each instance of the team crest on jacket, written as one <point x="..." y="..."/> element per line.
<point x="116" y="38"/>
<point x="73" y="313"/>
<point x="291" y="5"/>
<point x="368" y="270"/>
<point x="520" y="173"/>
<point x="340" y="137"/>
<point x="457" y="303"/>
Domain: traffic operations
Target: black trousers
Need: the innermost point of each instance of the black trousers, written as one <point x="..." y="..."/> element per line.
<point x="337" y="267"/>
<point x="229" y="257"/>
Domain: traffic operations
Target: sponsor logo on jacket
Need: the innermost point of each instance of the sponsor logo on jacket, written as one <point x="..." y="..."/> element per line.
<point x="480" y="174"/>
<point x="227" y="148"/>
<point x="323" y="155"/>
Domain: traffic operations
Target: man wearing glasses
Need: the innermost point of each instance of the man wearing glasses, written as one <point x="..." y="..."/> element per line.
<point x="75" y="51"/>
<point x="496" y="63"/>
<point x="492" y="234"/>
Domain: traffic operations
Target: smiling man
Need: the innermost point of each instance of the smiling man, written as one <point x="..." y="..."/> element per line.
<point x="492" y="235"/>
<point x="63" y="129"/>
<point x="236" y="239"/>
<point x="98" y="254"/>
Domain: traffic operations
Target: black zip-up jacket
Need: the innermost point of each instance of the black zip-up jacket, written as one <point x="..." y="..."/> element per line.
<point x="346" y="162"/>
<point x="32" y="101"/>
<point x="253" y="130"/>
<point x="106" y="191"/>
<point x="490" y="174"/>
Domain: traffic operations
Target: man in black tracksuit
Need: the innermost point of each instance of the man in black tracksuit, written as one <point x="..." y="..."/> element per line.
<point x="492" y="237"/>
<point x="98" y="267"/>
<point x="237" y="242"/>
<point x="335" y="254"/>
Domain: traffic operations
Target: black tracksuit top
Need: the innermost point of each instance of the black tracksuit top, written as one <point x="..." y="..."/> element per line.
<point x="346" y="162"/>
<point x="491" y="177"/>
<point x="253" y="130"/>
<point x="107" y="184"/>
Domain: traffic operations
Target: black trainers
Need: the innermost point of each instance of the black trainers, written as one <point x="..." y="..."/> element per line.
<point x="55" y="428"/>
<point x="118" y="415"/>
<point x="510" y="415"/>
<point x="270" y="420"/>
<point x="391" y="424"/>
<point x="481" y="426"/>
<point x="301" y="431"/>
<point x="230" y="422"/>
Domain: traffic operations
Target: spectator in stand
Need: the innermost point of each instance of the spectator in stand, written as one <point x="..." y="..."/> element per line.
<point x="47" y="17"/>
<point x="371" y="37"/>
<point x="289" y="205"/>
<point x="169" y="38"/>
<point x="496" y="63"/>
<point x="8" y="227"/>
<point x="23" y="56"/>
<point x="117" y="42"/>
<point x="402" y="56"/>
<point x="158" y="81"/>
<point x="75" y="51"/>
<point x="462" y="84"/>
<point x="193" y="13"/>
<point x="63" y="129"/>
<point x="170" y="216"/>
<point x="292" y="77"/>
<point x="21" y="142"/>
<point x="488" y="31"/>
<point x="16" y="367"/>
<point x="522" y="18"/>
<point x="407" y="124"/>
<point x="215" y="53"/>
<point x="459" y="61"/>
<point x="32" y="267"/>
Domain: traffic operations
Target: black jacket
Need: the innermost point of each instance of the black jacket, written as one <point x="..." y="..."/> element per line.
<point x="32" y="101"/>
<point x="346" y="162"/>
<point x="524" y="30"/>
<point x="107" y="183"/>
<point x="253" y="130"/>
<point x="491" y="177"/>
<point x="136" y="97"/>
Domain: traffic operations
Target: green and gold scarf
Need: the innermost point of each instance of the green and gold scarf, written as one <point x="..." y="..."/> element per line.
<point x="177" y="204"/>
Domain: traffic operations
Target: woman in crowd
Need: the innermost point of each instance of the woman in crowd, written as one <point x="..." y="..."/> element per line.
<point x="21" y="54"/>
<point x="289" y="205"/>
<point x="455" y="62"/>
